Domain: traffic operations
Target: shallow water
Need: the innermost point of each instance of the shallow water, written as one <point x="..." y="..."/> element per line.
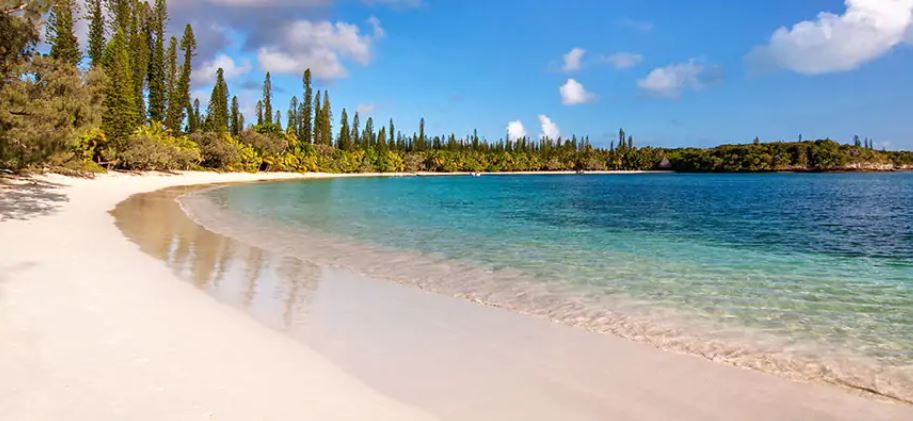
<point x="808" y="275"/>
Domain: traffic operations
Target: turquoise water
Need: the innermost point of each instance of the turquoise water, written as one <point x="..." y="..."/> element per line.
<point x="809" y="273"/>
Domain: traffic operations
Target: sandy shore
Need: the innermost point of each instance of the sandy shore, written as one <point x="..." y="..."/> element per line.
<point x="94" y="328"/>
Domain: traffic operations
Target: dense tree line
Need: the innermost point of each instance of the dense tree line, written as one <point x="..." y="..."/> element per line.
<point x="131" y="108"/>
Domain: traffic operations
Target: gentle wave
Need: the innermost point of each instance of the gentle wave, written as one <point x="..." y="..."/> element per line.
<point x="604" y="312"/>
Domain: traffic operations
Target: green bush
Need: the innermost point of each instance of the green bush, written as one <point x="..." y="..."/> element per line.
<point x="152" y="148"/>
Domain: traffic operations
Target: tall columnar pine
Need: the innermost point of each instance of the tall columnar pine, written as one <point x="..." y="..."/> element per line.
<point x="120" y="116"/>
<point x="391" y="133"/>
<point x="139" y="53"/>
<point x="217" y="108"/>
<point x="381" y="140"/>
<point x="421" y="134"/>
<point x="171" y="76"/>
<point x="278" y="121"/>
<point x="235" y="119"/>
<point x="326" y="132"/>
<point x="267" y="100"/>
<point x="157" y="73"/>
<point x="120" y="11"/>
<point x="194" y="118"/>
<point x="307" y="111"/>
<point x="318" y="122"/>
<point x="64" y="45"/>
<point x="344" y="138"/>
<point x="356" y="136"/>
<point x="96" y="32"/>
<point x="258" y="109"/>
<point x="292" y="116"/>
<point x="367" y="136"/>
<point x="181" y="97"/>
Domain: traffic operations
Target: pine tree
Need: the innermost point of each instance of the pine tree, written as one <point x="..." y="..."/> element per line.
<point x="391" y="132"/>
<point x="367" y="136"/>
<point x="421" y="133"/>
<point x="268" y="100"/>
<point x="278" y="120"/>
<point x="96" y="32"/>
<point x="258" y="109"/>
<point x="240" y="123"/>
<point x="193" y="116"/>
<point x="181" y="97"/>
<point x="344" y="139"/>
<point x="235" y="122"/>
<point x="292" y="116"/>
<point x="318" y="120"/>
<point x="121" y="11"/>
<point x="120" y="116"/>
<point x="217" y="109"/>
<point x="356" y="137"/>
<point x="156" y="75"/>
<point x="326" y="130"/>
<point x="382" y="139"/>
<point x="307" y="111"/>
<point x="64" y="45"/>
<point x="139" y="53"/>
<point x="171" y="77"/>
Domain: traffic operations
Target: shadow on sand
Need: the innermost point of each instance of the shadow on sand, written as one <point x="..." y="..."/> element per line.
<point x="25" y="199"/>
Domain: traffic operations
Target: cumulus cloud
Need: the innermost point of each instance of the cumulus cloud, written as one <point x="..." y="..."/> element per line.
<point x="671" y="80"/>
<point x="320" y="46"/>
<point x="573" y="93"/>
<point x="572" y="60"/>
<point x="622" y="60"/>
<point x="206" y="73"/>
<point x="549" y="128"/>
<point x="833" y="43"/>
<point x="515" y="130"/>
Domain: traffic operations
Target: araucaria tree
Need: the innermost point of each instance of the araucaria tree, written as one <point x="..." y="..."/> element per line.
<point x="181" y="97"/>
<point x="64" y="46"/>
<point x="217" y="109"/>
<point x="156" y="74"/>
<point x="267" y="100"/>
<point x="306" y="126"/>
<point x="120" y="116"/>
<point x="96" y="18"/>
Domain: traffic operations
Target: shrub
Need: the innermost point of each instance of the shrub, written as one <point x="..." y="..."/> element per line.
<point x="217" y="150"/>
<point x="152" y="148"/>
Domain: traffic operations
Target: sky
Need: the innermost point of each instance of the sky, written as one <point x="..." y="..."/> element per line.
<point x="671" y="73"/>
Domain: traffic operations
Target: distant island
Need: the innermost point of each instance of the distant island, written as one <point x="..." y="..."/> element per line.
<point x="129" y="106"/>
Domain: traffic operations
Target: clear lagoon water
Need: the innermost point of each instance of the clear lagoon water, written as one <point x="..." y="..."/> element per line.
<point x="808" y="275"/>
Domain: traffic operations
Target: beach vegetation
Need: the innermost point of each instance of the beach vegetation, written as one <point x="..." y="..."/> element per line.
<point x="126" y="104"/>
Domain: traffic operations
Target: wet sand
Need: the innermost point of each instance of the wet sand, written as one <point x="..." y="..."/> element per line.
<point x="458" y="360"/>
<point x="91" y="328"/>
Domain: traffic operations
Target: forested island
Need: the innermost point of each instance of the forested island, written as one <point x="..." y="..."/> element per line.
<point x="128" y="106"/>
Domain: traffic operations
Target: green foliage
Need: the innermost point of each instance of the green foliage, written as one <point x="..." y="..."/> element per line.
<point x="96" y="49"/>
<point x="217" y="111"/>
<point x="156" y="77"/>
<point x="305" y="124"/>
<point x="45" y="111"/>
<point x="120" y="117"/>
<point x="179" y="99"/>
<point x="60" y="35"/>
<point x="154" y="148"/>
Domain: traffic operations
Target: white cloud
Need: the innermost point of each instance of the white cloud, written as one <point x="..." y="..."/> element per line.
<point x="572" y="60"/>
<point x="671" y="80"/>
<point x="623" y="60"/>
<point x="835" y="43"/>
<point x="549" y="128"/>
<point x="573" y="93"/>
<point x="206" y="74"/>
<point x="320" y="46"/>
<point x="365" y="109"/>
<point x="515" y="130"/>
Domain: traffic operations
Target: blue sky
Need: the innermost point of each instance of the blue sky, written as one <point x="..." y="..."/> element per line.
<point x="672" y="73"/>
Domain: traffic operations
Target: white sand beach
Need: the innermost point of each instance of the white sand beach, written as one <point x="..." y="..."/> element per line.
<point x="92" y="328"/>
